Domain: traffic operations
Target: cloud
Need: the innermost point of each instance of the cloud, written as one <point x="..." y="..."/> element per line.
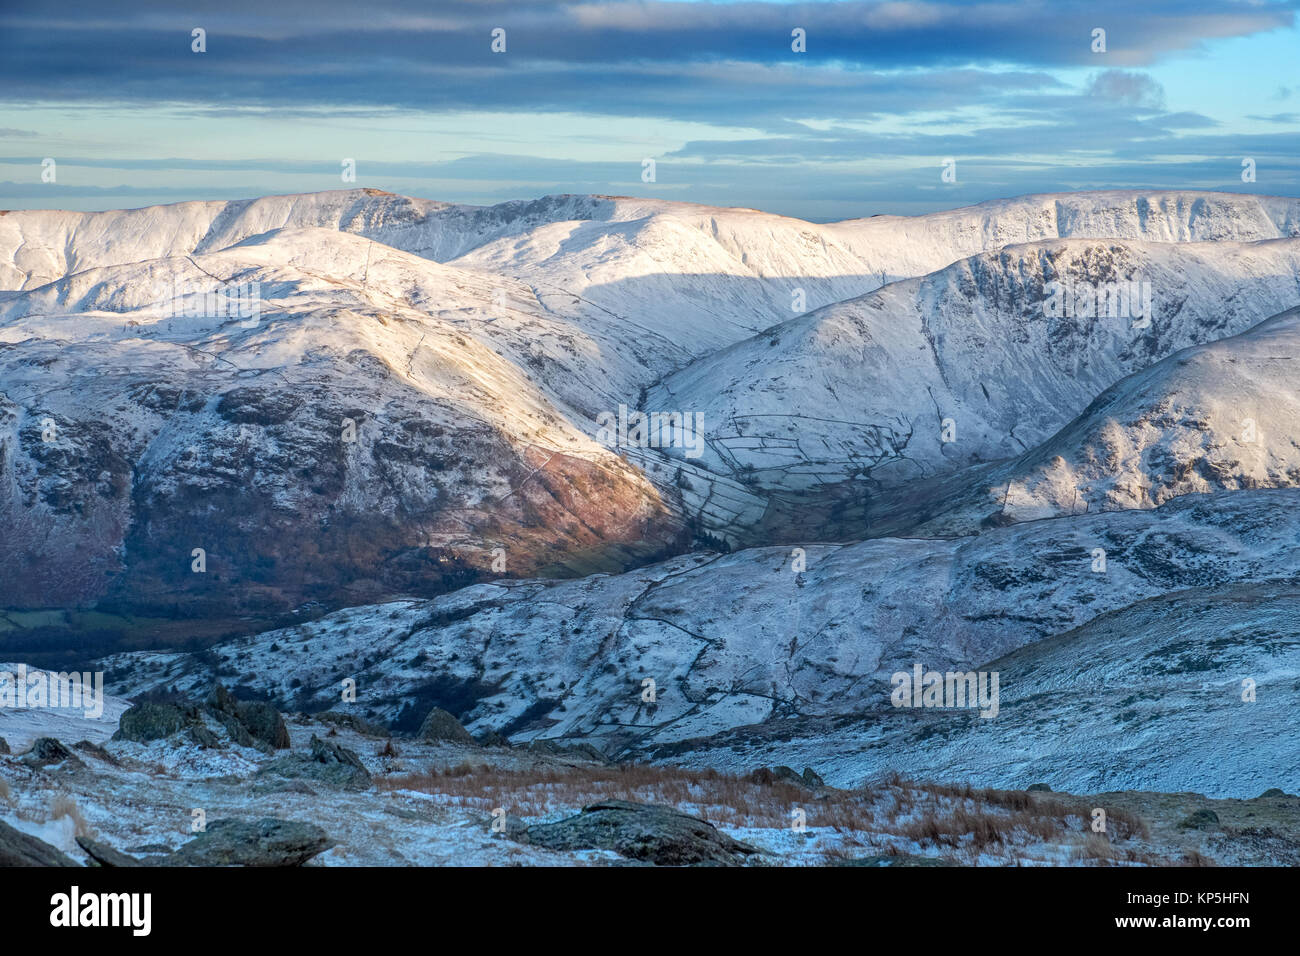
<point x="1130" y="88"/>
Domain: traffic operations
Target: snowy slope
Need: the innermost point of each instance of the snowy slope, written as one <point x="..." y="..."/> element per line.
<point x="738" y="639"/>
<point x="1151" y="697"/>
<point x="174" y="432"/>
<point x="1214" y="417"/>
<point x="861" y="389"/>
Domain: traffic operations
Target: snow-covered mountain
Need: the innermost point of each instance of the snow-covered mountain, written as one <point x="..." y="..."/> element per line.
<point x="979" y="361"/>
<point x="416" y="404"/>
<point x="1214" y="417"/>
<point x="382" y="426"/>
<point x="1054" y="436"/>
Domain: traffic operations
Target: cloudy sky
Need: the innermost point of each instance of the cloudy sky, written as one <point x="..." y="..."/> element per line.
<point x="860" y="123"/>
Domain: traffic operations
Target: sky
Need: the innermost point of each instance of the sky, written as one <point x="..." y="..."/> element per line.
<point x="1006" y="98"/>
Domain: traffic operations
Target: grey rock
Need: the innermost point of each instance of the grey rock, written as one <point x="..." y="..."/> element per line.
<point x="1039" y="788"/>
<point x="442" y="726"/>
<point x="106" y="855"/>
<point x="579" y="749"/>
<point x="223" y="707"/>
<point x="352" y="722"/>
<point x="770" y="775"/>
<point x="659" y="835"/>
<point x="265" y="724"/>
<point x="490" y="738"/>
<point x="328" y="763"/>
<point x="514" y="828"/>
<point x="20" y="849"/>
<point x="95" y="750"/>
<point x="4" y="746"/>
<point x="48" y="752"/>
<point x="152" y="720"/>
<point x="200" y="735"/>
<point x="266" y="842"/>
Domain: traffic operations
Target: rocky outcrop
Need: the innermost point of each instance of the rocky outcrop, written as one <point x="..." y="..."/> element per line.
<point x="652" y="834"/>
<point x="48" y="752"/>
<point x="439" y="725"/>
<point x="22" y="849"/>
<point x="329" y="763"/>
<point x="266" y="842"/>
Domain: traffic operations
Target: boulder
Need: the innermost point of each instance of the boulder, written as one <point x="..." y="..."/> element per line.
<point x="580" y="749"/>
<point x="106" y="855"/>
<point x="770" y="775"/>
<point x="328" y="763"/>
<point x="153" y="720"/>
<point x="652" y="834"/>
<point x="490" y="738"/>
<point x="48" y="752"/>
<point x="22" y="849"/>
<point x="95" y="750"/>
<point x="4" y="746"/>
<point x="352" y="722"/>
<point x="442" y="726"/>
<point x="265" y="724"/>
<point x="266" y="842"/>
<point x="1039" y="788"/>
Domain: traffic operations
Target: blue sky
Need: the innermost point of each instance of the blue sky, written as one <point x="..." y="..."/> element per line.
<point x="860" y="123"/>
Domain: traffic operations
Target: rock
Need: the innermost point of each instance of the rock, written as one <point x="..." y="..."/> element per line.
<point x="490" y="738"/>
<point x="440" y="725"/>
<point x="770" y="775"/>
<point x="352" y="722"/>
<point x="225" y="709"/>
<point x="106" y="855"/>
<point x="151" y="720"/>
<point x="150" y="849"/>
<point x="22" y="849"/>
<point x="48" y="752"/>
<point x="1270" y="792"/>
<point x="653" y="834"/>
<point x="265" y="724"/>
<point x="1039" y="788"/>
<point x="4" y="746"/>
<point x="95" y="750"/>
<point x="267" y="842"/>
<point x="581" y="750"/>
<point x="514" y="828"/>
<point x="202" y="737"/>
<point x="328" y="762"/>
<point x="1204" y="819"/>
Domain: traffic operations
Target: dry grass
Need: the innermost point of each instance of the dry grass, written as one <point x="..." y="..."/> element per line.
<point x="64" y="805"/>
<point x="720" y="798"/>
<point x="960" y="821"/>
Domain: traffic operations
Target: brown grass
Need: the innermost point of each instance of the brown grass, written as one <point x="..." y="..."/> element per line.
<point x="64" y="805"/>
<point x="955" y="820"/>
